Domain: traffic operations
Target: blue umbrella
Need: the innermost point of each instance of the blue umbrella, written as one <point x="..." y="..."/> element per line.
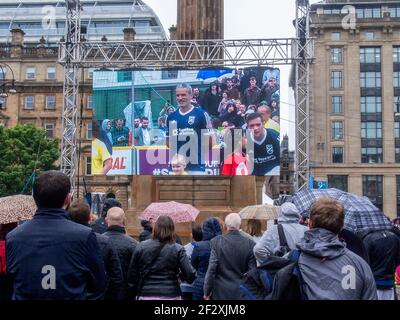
<point x="207" y="74"/>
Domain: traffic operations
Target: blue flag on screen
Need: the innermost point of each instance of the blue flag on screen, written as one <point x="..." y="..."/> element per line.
<point x="207" y="74"/>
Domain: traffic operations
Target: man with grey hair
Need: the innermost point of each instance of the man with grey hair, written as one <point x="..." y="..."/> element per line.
<point x="184" y="130"/>
<point x="231" y="257"/>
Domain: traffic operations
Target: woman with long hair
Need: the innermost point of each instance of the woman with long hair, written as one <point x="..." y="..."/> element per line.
<point x="253" y="227"/>
<point x="158" y="263"/>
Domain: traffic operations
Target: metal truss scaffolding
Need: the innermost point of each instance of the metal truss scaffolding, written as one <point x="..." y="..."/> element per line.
<point x="185" y="54"/>
<point x="189" y="54"/>
<point x="69" y="152"/>
<point x="304" y="49"/>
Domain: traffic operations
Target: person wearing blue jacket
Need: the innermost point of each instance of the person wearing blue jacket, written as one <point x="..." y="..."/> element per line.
<point x="51" y="257"/>
<point x="201" y="255"/>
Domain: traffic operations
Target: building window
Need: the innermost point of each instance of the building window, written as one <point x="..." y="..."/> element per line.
<point x="338" y="182"/>
<point x="88" y="166"/>
<point x="370" y="79"/>
<point x="394" y="12"/>
<point x="371" y="130"/>
<point x="89" y="130"/>
<point x="337" y="106"/>
<point x="397" y="155"/>
<point x="50" y="102"/>
<point x="397" y="130"/>
<point x="51" y="73"/>
<point x="397" y="104"/>
<point x="29" y="102"/>
<point x="89" y="102"/>
<point x="335" y="36"/>
<point x="370" y="55"/>
<point x="30" y="73"/>
<point x="3" y="73"/>
<point x="396" y="53"/>
<point x="337" y="155"/>
<point x="124" y="76"/>
<point x="371" y="155"/>
<point x="337" y="130"/>
<point x="331" y="11"/>
<point x="373" y="189"/>
<point x="368" y="13"/>
<point x="2" y="103"/>
<point x="369" y="35"/>
<point x="396" y="79"/>
<point x="336" y="55"/>
<point x="336" y="80"/>
<point x="371" y="104"/>
<point x="90" y="73"/>
<point x="49" y="127"/>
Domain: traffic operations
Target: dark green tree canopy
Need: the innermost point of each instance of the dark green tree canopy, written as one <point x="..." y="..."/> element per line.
<point x="24" y="149"/>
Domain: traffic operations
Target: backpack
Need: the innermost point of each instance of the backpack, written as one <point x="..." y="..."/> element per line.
<point x="276" y="279"/>
<point x="2" y="257"/>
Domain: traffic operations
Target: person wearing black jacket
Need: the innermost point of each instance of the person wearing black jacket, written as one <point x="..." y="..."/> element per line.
<point x="157" y="264"/>
<point x="51" y="257"/>
<point x="353" y="243"/>
<point x="383" y="248"/>
<point x="124" y="244"/>
<point x="100" y="225"/>
<point x="79" y="211"/>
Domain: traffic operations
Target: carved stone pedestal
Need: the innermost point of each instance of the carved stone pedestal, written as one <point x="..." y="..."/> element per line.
<point x="213" y="196"/>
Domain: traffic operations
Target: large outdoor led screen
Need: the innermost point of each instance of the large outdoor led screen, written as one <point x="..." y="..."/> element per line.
<point x="186" y="122"/>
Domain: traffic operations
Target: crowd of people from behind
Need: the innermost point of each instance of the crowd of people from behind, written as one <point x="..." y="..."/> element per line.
<point x="62" y="254"/>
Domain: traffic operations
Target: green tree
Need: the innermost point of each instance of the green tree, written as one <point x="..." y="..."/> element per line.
<point x="24" y="149"/>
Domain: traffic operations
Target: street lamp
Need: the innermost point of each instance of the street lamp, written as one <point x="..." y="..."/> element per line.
<point x="12" y="90"/>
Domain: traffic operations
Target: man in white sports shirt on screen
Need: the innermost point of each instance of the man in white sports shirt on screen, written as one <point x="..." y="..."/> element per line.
<point x="185" y="126"/>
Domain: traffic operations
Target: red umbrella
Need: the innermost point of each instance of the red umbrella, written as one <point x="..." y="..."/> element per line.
<point x="178" y="212"/>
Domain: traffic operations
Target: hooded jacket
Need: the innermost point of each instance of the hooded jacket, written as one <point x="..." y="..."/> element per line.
<point x="330" y="271"/>
<point x="201" y="255"/>
<point x="269" y="242"/>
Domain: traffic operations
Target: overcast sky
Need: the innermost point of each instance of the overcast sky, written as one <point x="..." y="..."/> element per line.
<point x="251" y="19"/>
